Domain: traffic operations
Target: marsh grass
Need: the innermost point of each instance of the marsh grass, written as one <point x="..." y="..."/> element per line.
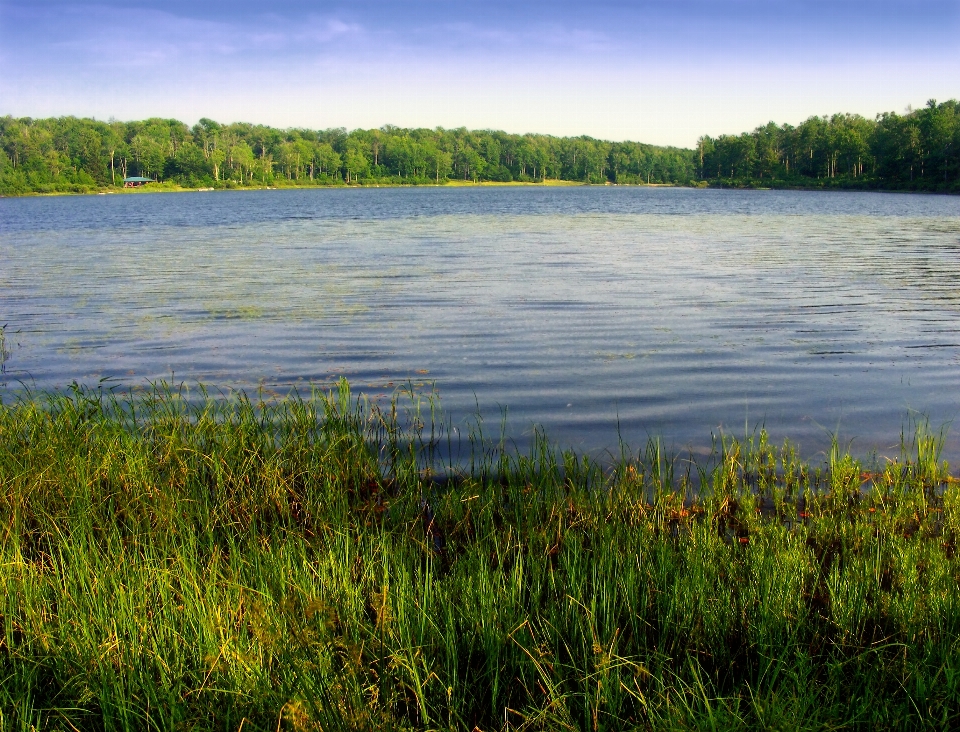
<point x="179" y="561"/>
<point x="5" y="353"/>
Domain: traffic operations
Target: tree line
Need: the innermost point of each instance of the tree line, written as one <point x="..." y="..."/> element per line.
<point x="917" y="150"/>
<point x="71" y="154"/>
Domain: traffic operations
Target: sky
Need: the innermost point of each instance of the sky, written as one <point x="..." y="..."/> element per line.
<point x="662" y="72"/>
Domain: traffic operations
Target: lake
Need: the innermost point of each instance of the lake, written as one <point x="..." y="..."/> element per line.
<point x="599" y="313"/>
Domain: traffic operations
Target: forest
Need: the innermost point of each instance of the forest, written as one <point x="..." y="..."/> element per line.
<point x="916" y="150"/>
<point x="71" y="154"/>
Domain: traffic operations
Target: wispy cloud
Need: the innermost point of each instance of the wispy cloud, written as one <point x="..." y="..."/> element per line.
<point x="176" y="30"/>
<point x="324" y="30"/>
<point x="104" y="36"/>
<point x="530" y="38"/>
<point x="658" y="70"/>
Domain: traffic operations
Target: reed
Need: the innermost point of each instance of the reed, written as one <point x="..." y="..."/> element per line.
<point x="174" y="560"/>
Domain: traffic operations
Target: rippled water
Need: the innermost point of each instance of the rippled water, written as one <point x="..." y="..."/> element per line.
<point x="668" y="312"/>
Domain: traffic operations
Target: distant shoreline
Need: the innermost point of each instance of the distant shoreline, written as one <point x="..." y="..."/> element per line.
<point x="712" y="185"/>
<point x="175" y="188"/>
<point x="917" y="151"/>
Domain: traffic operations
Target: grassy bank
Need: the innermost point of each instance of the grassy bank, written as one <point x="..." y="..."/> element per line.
<point x="218" y="564"/>
<point x="844" y="183"/>
<point x="172" y="187"/>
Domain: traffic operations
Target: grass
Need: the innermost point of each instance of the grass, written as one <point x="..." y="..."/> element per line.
<point x="282" y="184"/>
<point x="314" y="563"/>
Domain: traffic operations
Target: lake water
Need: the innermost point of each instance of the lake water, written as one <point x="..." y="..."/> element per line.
<point x="669" y="312"/>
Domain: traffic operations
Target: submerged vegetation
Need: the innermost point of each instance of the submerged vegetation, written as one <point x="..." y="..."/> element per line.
<point x="316" y="563"/>
<point x="918" y="150"/>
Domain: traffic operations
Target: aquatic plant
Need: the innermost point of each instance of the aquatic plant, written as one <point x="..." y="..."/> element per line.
<point x="174" y="559"/>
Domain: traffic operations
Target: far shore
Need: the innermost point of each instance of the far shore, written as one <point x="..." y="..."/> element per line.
<point x="169" y="187"/>
<point x="165" y="187"/>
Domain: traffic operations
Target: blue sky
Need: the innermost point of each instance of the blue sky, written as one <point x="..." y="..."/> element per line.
<point x="659" y="72"/>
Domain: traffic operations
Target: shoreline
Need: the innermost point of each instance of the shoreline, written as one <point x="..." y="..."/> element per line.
<point x="233" y="560"/>
<point x="552" y="183"/>
<point x="175" y="188"/>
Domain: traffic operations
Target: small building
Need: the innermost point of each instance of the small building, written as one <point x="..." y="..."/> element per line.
<point x="136" y="181"/>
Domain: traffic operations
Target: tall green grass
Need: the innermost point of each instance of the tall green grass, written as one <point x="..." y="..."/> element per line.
<point x="313" y="563"/>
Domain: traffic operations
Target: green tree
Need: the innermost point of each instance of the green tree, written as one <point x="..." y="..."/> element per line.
<point x="439" y="161"/>
<point x="189" y="164"/>
<point x="356" y="163"/>
<point x="328" y="161"/>
<point x="242" y="157"/>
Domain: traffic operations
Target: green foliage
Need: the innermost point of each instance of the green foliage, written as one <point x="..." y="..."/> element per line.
<point x="202" y="563"/>
<point x="919" y="150"/>
<point x="69" y="154"/>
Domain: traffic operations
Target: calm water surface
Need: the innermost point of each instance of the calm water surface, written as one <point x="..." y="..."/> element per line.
<point x="668" y="312"/>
